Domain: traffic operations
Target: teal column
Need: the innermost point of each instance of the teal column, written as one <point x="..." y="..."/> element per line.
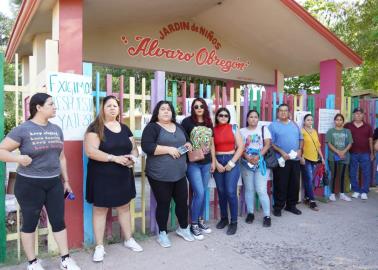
<point x="201" y="90"/>
<point x="330" y="104"/>
<point x="87" y="207"/>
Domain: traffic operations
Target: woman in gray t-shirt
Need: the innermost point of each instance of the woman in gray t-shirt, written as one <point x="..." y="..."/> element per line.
<point x="164" y="141"/>
<point x="42" y="164"/>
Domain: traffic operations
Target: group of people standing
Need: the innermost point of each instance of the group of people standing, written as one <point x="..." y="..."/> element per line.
<point x="178" y="154"/>
<point x="300" y="150"/>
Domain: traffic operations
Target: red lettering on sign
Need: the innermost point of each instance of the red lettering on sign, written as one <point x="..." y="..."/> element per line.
<point x="148" y="47"/>
<point x="185" y="26"/>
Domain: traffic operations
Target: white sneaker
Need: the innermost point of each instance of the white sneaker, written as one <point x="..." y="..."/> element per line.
<point x="332" y="197"/>
<point x="69" y="264"/>
<point x="163" y="240"/>
<point x="355" y="195"/>
<point x="344" y="197"/>
<point x="204" y="228"/>
<point x="196" y="232"/>
<point x="364" y="196"/>
<point x="185" y="233"/>
<point x="133" y="245"/>
<point x="36" y="266"/>
<point x="98" y="255"/>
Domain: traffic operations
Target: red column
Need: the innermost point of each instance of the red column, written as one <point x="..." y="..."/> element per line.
<point x="70" y="60"/>
<point x="330" y="80"/>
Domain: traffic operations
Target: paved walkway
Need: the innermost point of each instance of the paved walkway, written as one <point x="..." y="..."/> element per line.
<point x="342" y="235"/>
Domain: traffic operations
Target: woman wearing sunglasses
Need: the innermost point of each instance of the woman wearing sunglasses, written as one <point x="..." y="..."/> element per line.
<point x="228" y="149"/>
<point x="199" y="128"/>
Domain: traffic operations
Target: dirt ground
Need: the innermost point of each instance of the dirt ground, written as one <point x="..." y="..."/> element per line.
<point x="342" y="235"/>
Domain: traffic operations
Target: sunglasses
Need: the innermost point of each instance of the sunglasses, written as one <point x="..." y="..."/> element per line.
<point x="196" y="107"/>
<point x="223" y="115"/>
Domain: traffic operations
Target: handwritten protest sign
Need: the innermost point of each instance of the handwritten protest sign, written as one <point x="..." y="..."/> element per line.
<point x="72" y="95"/>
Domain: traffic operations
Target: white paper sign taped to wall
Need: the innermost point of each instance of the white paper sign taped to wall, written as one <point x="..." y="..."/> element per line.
<point x="298" y="117"/>
<point x="72" y="95"/>
<point x="326" y="120"/>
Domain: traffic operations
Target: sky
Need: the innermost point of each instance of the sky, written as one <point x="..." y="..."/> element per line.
<point x="4" y="8"/>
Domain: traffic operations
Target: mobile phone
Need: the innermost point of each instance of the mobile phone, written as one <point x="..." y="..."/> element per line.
<point x="183" y="149"/>
<point x="69" y="195"/>
<point x="134" y="159"/>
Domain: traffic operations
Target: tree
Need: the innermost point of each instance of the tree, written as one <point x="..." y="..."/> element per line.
<point x="356" y="23"/>
<point x="9" y="74"/>
<point x="5" y="28"/>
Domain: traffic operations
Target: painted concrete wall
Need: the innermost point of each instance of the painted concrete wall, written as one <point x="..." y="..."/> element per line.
<point x="107" y="46"/>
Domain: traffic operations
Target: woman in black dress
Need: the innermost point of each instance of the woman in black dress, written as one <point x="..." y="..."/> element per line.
<point x="111" y="149"/>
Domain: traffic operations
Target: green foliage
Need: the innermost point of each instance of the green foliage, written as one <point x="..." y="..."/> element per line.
<point x="9" y="74"/>
<point x="356" y="24"/>
<point x="5" y="28"/>
<point x="310" y="83"/>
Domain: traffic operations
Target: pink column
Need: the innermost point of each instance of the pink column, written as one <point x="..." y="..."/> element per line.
<point x="330" y="80"/>
<point x="274" y="87"/>
<point x="70" y="60"/>
<point x="71" y="36"/>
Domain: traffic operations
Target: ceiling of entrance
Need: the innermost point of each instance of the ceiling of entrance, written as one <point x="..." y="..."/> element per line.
<point x="102" y="14"/>
<point x="268" y="30"/>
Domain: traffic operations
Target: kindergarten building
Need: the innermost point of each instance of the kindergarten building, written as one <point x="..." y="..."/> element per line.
<point x="239" y="41"/>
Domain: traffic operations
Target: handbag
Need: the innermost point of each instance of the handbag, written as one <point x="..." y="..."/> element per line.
<point x="325" y="179"/>
<point x="270" y="156"/>
<point x="321" y="176"/>
<point x="196" y="155"/>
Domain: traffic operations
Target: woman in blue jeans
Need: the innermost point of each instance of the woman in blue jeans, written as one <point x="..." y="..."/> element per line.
<point x="254" y="173"/>
<point x="228" y="149"/>
<point x="312" y="155"/>
<point x="199" y="128"/>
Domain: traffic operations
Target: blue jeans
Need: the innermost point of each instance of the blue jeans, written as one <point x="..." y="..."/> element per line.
<point x="363" y="160"/>
<point x="227" y="184"/>
<point x="308" y="176"/>
<point x="198" y="176"/>
<point x="255" y="182"/>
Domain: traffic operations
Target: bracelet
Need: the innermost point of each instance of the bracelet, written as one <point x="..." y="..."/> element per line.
<point x="110" y="158"/>
<point x="231" y="164"/>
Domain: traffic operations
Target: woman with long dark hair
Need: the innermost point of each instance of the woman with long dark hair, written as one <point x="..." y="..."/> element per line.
<point x="228" y="149"/>
<point x="166" y="143"/>
<point x="111" y="149"/>
<point x="199" y="128"/>
<point x="42" y="177"/>
<point x="339" y="141"/>
<point x="255" y="175"/>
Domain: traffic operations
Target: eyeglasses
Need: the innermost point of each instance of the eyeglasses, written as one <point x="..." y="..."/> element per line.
<point x="196" y="107"/>
<point x="223" y="115"/>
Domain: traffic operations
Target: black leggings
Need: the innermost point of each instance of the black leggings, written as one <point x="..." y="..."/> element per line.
<point x="34" y="193"/>
<point x="342" y="177"/>
<point x="164" y="192"/>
